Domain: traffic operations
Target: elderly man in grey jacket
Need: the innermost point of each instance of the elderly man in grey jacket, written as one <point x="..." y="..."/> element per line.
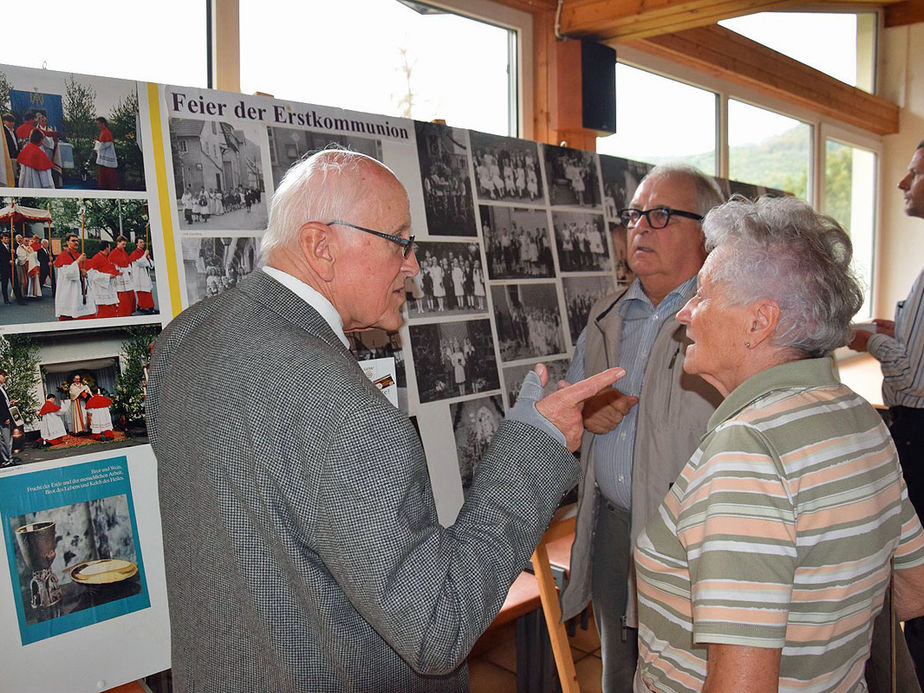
<point x="641" y="435"/>
<point x="302" y="545"/>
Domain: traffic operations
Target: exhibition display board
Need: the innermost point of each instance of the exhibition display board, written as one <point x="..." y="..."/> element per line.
<point x="515" y="240"/>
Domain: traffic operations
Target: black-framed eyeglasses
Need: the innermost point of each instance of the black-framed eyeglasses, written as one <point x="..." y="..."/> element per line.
<point x="407" y="244"/>
<point x="658" y="217"/>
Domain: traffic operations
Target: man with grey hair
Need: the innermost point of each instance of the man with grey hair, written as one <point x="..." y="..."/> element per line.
<point x="899" y="347"/>
<point x="640" y="436"/>
<point x="301" y="540"/>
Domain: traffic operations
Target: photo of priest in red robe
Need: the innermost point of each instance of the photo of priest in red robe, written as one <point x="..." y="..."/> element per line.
<point x="101" y="274"/>
<point x="34" y="165"/>
<point x="123" y="283"/>
<point x="100" y="418"/>
<point x="52" y="429"/>
<point x="107" y="171"/>
<point x="141" y="262"/>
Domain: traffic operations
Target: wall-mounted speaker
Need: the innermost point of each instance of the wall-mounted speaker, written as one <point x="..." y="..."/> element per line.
<point x="592" y="67"/>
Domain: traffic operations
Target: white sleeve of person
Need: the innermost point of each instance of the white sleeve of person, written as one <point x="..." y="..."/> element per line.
<point x="525" y="409"/>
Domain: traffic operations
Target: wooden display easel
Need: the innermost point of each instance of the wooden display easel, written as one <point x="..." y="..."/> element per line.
<point x="548" y="594"/>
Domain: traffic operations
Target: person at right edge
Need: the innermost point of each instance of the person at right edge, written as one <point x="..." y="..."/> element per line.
<point x="899" y="347"/>
<point x="640" y="436"/>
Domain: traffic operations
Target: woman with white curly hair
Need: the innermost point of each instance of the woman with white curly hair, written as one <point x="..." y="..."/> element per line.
<point x="767" y="562"/>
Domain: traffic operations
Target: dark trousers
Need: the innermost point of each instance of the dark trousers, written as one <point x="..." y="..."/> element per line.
<point x="609" y="591"/>
<point x="908" y="433"/>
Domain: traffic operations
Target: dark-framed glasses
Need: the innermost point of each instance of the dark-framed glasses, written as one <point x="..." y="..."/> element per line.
<point x="658" y="217"/>
<point x="407" y="244"/>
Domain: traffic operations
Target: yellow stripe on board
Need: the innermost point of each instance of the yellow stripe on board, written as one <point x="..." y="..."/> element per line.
<point x="166" y="214"/>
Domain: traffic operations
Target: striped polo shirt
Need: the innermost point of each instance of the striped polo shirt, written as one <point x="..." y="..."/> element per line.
<point x="778" y="533"/>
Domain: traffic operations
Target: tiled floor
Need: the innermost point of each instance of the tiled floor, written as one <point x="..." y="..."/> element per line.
<point x="492" y="669"/>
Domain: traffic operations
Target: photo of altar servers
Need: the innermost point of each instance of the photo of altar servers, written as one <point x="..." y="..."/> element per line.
<point x="621" y="177"/>
<point x="580" y="294"/>
<point x="288" y="145"/>
<point x="444" y="171"/>
<point x="572" y="176"/>
<point x="69" y="131"/>
<point x="580" y="240"/>
<point x="514" y="375"/>
<point x="212" y="265"/>
<point x="507" y="169"/>
<point x="528" y="320"/>
<point x="450" y="280"/>
<point x="474" y="423"/>
<point x="77" y="390"/>
<point x="619" y="238"/>
<point x="516" y="242"/>
<point x="453" y="359"/>
<point x="65" y="258"/>
<point x="218" y="175"/>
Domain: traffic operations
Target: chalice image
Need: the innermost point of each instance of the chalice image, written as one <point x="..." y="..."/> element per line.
<point x="37" y="544"/>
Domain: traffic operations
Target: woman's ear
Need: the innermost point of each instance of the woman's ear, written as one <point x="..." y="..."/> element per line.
<point x="765" y="316"/>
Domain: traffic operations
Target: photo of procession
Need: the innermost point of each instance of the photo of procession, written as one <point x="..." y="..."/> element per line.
<point x="572" y="176"/>
<point x="66" y="131"/>
<point x="621" y="177"/>
<point x="528" y="320"/>
<point x="218" y="176"/>
<point x="514" y="375"/>
<point x="450" y="280"/>
<point x="288" y="145"/>
<point x="474" y="423"/>
<point x="76" y="391"/>
<point x="507" y="169"/>
<point x="453" y="359"/>
<point x="69" y="258"/>
<point x="580" y="240"/>
<point x="212" y="265"/>
<point x="447" y="187"/>
<point x="516" y="242"/>
<point x="75" y="557"/>
<point x="580" y="294"/>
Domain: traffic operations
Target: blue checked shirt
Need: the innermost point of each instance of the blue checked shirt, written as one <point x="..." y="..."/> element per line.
<point x="614" y="451"/>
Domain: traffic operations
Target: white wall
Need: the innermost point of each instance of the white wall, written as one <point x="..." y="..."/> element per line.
<point x="900" y="253"/>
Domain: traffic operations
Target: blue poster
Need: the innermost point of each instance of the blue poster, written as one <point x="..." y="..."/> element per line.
<point x="21" y="102"/>
<point x="72" y="546"/>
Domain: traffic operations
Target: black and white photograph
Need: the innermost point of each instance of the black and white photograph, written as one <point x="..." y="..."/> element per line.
<point x="621" y="178"/>
<point x="444" y="172"/>
<point x="218" y="176"/>
<point x="507" y="169"/>
<point x="212" y="265"/>
<point x="514" y="375"/>
<point x="572" y="175"/>
<point x="105" y="270"/>
<point x="580" y="294"/>
<point x="581" y="242"/>
<point x="528" y="320"/>
<point x="70" y="131"/>
<point x="474" y="423"/>
<point x="619" y="236"/>
<point x="453" y="359"/>
<point x="288" y="145"/>
<point x="516" y="242"/>
<point x="77" y="391"/>
<point x="450" y="280"/>
<point x="380" y="344"/>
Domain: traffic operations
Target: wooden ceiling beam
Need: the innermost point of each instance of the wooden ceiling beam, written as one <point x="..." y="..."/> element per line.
<point x="626" y="20"/>
<point x="726" y="54"/>
<point x="902" y="13"/>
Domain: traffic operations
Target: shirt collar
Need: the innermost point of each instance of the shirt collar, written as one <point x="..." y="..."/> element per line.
<point x="802" y="374"/>
<point x="672" y="303"/>
<point x="313" y="298"/>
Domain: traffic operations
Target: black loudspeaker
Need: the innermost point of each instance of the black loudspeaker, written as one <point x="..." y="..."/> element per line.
<point x="598" y="93"/>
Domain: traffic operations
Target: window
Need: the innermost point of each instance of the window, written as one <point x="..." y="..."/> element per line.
<point x="850" y="197"/>
<point x="839" y="44"/>
<point x="660" y="120"/>
<point x="767" y="148"/>
<point x="156" y="42"/>
<point x="400" y="59"/>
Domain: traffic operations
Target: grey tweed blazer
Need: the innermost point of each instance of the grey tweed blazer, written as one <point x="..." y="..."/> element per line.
<point x="301" y="540"/>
